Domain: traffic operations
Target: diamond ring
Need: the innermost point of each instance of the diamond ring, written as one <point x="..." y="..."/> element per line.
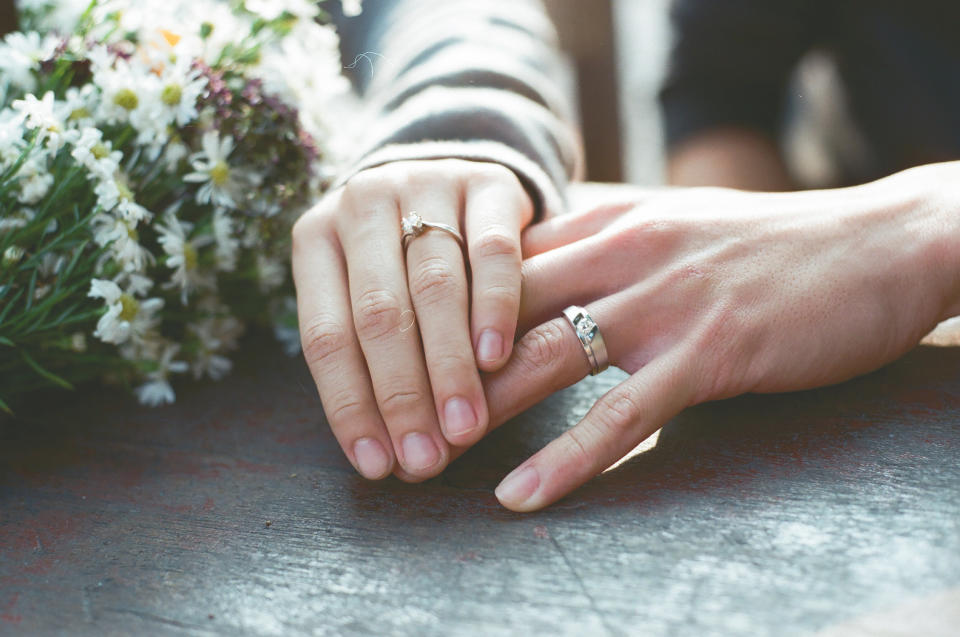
<point x="413" y="225"/>
<point x="589" y="334"/>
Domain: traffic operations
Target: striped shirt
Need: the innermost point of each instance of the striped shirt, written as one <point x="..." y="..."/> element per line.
<point x="469" y="79"/>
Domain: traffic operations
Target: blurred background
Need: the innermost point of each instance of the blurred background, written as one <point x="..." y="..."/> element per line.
<point x="619" y="50"/>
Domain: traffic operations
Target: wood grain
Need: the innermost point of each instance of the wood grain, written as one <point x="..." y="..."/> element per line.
<point x="760" y="515"/>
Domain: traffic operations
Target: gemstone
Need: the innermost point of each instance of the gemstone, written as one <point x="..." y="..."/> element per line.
<point x="412" y="224"/>
<point x="586" y="328"/>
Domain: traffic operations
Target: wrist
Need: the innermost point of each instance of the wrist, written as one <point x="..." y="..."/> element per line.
<point x="926" y="203"/>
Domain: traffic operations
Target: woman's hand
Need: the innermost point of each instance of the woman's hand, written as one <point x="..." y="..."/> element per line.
<point x="708" y="293"/>
<point x="394" y="340"/>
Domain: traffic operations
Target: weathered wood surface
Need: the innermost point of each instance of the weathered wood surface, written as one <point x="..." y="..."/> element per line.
<point x="233" y="512"/>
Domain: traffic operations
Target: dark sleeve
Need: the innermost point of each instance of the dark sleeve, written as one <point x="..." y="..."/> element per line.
<point x="731" y="63"/>
<point x="464" y="79"/>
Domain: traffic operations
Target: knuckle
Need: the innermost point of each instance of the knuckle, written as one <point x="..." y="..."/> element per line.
<point x="376" y="314"/>
<point x="617" y="414"/>
<point x="542" y="346"/>
<point x="496" y="244"/>
<point x="322" y="339"/>
<point x="501" y="296"/>
<point x="401" y="401"/>
<point x="434" y="280"/>
<point x="577" y="447"/>
<point x="489" y="172"/>
<point x="343" y="409"/>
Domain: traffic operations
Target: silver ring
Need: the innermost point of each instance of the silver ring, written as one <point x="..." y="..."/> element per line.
<point x="590" y="338"/>
<point x="413" y="226"/>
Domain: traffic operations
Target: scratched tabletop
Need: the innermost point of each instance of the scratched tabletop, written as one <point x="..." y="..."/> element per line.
<point x="233" y="512"/>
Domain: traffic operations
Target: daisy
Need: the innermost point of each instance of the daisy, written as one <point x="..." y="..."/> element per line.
<point x="115" y="193"/>
<point x="96" y="154"/>
<point x="122" y="237"/>
<point x="157" y="390"/>
<point x="208" y="360"/>
<point x="273" y="9"/>
<point x="181" y="87"/>
<point x="79" y="105"/>
<point x="35" y="179"/>
<point x="126" y="318"/>
<point x="271" y="273"/>
<point x="182" y="255"/>
<point x="21" y="54"/>
<point x="39" y="115"/>
<point x="226" y="243"/>
<point x="220" y="180"/>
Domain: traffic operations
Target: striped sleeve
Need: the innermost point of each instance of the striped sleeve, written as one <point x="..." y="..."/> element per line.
<point x="463" y="79"/>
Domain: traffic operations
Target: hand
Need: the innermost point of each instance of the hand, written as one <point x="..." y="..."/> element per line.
<point x="708" y="293"/>
<point x="394" y="341"/>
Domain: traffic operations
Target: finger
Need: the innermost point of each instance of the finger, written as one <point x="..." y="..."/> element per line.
<point x="333" y="355"/>
<point x="386" y="327"/>
<point x="617" y="423"/>
<point x="438" y="289"/>
<point x="575" y="274"/>
<point x="566" y="229"/>
<point x="547" y="359"/>
<point x="496" y="210"/>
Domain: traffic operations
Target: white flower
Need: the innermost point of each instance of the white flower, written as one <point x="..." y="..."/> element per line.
<point x="214" y="336"/>
<point x="17" y="219"/>
<point x="96" y="154"/>
<point x="39" y="115"/>
<point x="180" y="88"/>
<point x="272" y="9"/>
<point x="122" y="237"/>
<point x="79" y="105"/>
<point x="219" y="179"/>
<point x="115" y="193"/>
<point x="157" y="390"/>
<point x="21" y="54"/>
<point x="35" y="179"/>
<point x="126" y="318"/>
<point x="352" y="7"/>
<point x="226" y="242"/>
<point x="271" y="272"/>
<point x="182" y="255"/>
<point x="131" y="95"/>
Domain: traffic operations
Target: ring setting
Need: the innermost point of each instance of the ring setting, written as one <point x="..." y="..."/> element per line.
<point x="413" y="225"/>
<point x="592" y="341"/>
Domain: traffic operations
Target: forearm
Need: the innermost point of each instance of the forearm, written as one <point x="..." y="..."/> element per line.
<point x="728" y="157"/>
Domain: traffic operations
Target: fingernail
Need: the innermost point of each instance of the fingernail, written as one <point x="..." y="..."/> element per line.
<point x="372" y="460"/>
<point x="490" y="346"/>
<point x="517" y="487"/>
<point x="458" y="416"/>
<point x="419" y="452"/>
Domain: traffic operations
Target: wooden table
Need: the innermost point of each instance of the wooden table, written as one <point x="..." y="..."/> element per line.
<point x="233" y="512"/>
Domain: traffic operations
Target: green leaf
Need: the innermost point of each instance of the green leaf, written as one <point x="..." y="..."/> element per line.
<point x="50" y="376"/>
<point x="6" y="341"/>
<point x="5" y="407"/>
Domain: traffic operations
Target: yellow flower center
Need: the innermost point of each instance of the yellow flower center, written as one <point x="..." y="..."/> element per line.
<point x="79" y="113"/>
<point x="99" y="151"/>
<point x="189" y="256"/>
<point x="220" y="173"/>
<point x="171" y="95"/>
<point x="126" y="99"/>
<point x="124" y="190"/>
<point x="132" y="232"/>
<point x="130" y="306"/>
<point x="172" y="38"/>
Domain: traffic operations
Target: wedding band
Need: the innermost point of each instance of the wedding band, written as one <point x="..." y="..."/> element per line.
<point x="590" y="338"/>
<point x="413" y="226"/>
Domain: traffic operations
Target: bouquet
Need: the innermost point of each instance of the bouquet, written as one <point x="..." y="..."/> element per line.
<point x="153" y="157"/>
